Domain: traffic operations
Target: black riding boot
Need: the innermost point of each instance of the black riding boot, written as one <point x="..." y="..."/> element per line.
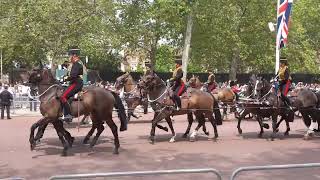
<point x="177" y="101"/>
<point x="66" y="112"/>
<point x="286" y="101"/>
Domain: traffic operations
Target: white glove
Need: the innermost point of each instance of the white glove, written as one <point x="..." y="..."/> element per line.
<point x="168" y="80"/>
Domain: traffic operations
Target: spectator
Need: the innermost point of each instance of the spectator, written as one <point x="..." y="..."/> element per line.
<point x="32" y="92"/>
<point x="6" y="98"/>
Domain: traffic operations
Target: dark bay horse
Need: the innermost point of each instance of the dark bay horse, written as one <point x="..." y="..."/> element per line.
<point x="132" y="95"/>
<point x="308" y="103"/>
<point x="94" y="101"/>
<point x="267" y="104"/>
<point x="202" y="104"/>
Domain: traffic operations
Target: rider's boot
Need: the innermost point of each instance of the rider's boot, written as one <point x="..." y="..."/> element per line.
<point x="286" y="101"/>
<point x="177" y="101"/>
<point x="67" y="117"/>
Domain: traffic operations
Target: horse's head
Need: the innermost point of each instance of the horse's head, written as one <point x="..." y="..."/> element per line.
<point x="195" y="82"/>
<point x="149" y="83"/>
<point x="122" y="80"/>
<point x="41" y="76"/>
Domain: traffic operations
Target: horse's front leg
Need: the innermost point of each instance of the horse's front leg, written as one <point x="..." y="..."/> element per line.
<point x="164" y="113"/>
<point x="190" y="121"/>
<point x="169" y="121"/>
<point x="313" y="125"/>
<point x="274" y="126"/>
<point x="32" y="141"/>
<point x="40" y="132"/>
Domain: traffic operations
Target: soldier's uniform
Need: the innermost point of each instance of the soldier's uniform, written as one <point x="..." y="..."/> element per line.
<point x="76" y="83"/>
<point x="284" y="79"/>
<point x="178" y="86"/>
<point x="212" y="85"/>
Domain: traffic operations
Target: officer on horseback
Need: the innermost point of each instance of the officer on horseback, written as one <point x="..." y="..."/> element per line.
<point x="212" y="85"/>
<point x="76" y="82"/>
<point x="178" y="86"/>
<point x="284" y="79"/>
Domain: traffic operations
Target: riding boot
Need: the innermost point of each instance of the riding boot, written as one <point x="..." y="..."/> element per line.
<point x="66" y="112"/>
<point x="177" y="101"/>
<point x="286" y="101"/>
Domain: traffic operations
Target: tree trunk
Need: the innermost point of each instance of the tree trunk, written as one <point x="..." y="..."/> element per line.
<point x="318" y="56"/>
<point x="234" y="64"/>
<point x="186" y="48"/>
<point x="153" y="52"/>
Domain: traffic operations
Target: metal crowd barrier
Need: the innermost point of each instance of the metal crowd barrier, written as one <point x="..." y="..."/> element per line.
<point x="272" y="167"/>
<point x="139" y="173"/>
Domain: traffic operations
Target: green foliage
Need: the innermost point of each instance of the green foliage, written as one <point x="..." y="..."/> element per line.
<point x="32" y="30"/>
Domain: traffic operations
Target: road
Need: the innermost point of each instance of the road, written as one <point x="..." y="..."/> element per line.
<point x="228" y="153"/>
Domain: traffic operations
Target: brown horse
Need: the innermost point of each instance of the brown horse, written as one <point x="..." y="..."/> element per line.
<point x="132" y="95"/>
<point x="202" y="104"/>
<point x="225" y="95"/>
<point x="95" y="101"/>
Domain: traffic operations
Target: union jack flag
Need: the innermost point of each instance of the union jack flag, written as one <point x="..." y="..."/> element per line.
<point x="283" y="15"/>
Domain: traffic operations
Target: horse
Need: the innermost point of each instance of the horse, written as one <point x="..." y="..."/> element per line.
<point x="225" y="95"/>
<point x="94" y="101"/>
<point x="132" y="96"/>
<point x="308" y="103"/>
<point x="267" y="104"/>
<point x="202" y="104"/>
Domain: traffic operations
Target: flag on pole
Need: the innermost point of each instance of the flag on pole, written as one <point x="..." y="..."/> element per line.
<point x="283" y="15"/>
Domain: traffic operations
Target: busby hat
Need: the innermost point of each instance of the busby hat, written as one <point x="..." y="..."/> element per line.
<point x="147" y="64"/>
<point x="283" y="60"/>
<point x="74" y="50"/>
<point x="178" y="59"/>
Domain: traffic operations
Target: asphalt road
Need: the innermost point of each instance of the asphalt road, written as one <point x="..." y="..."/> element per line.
<point x="228" y="153"/>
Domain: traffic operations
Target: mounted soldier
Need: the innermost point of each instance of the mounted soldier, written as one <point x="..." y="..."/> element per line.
<point x="284" y="79"/>
<point x="178" y="86"/>
<point x="212" y="85"/>
<point x="75" y="82"/>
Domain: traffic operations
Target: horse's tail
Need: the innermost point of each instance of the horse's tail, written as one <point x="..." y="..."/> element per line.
<point x="121" y="112"/>
<point x="216" y="111"/>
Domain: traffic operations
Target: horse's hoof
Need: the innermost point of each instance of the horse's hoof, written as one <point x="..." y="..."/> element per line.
<point x="172" y="140"/>
<point x="240" y="131"/>
<point x="184" y="135"/>
<point x="115" y="151"/>
<point x="307" y="136"/>
<point x="64" y="152"/>
<point x="286" y="133"/>
<point x="260" y="135"/>
<point x="192" y="139"/>
<point x="151" y="140"/>
<point x="215" y="139"/>
<point x="207" y="133"/>
<point x="71" y="141"/>
<point x="85" y="141"/>
<point x="32" y="146"/>
<point x="266" y="126"/>
<point x="38" y="142"/>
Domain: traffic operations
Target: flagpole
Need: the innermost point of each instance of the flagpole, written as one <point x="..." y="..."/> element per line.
<point x="277" y="41"/>
<point x="277" y="59"/>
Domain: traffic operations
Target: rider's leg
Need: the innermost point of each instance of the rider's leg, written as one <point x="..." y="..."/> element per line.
<point x="69" y="92"/>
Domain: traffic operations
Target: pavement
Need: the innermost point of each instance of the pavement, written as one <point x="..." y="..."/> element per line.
<point x="226" y="154"/>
